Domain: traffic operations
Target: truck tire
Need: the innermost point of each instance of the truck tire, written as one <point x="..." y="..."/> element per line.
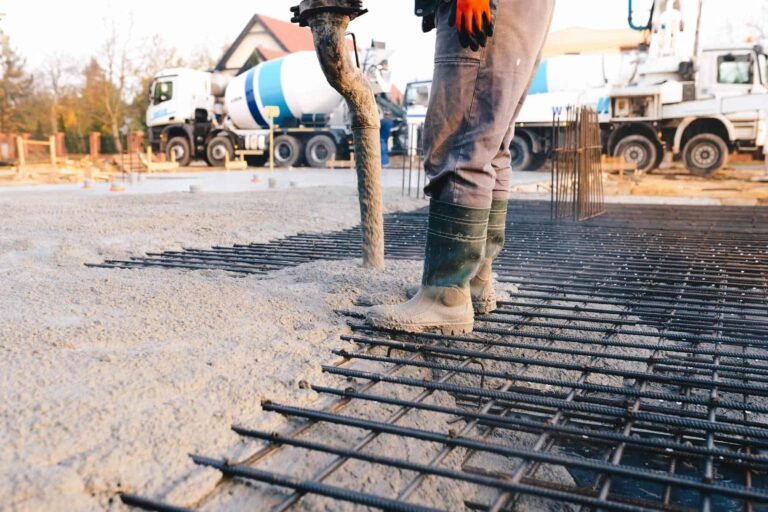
<point x="705" y="154"/>
<point x="320" y="150"/>
<point x="522" y="154"/>
<point x="180" y="147"/>
<point x="640" y="150"/>
<point x="217" y="150"/>
<point x="538" y="161"/>
<point x="287" y="151"/>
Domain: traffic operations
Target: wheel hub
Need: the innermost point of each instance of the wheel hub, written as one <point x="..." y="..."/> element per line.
<point x="320" y="153"/>
<point x="283" y="152"/>
<point x="704" y="155"/>
<point x="635" y="153"/>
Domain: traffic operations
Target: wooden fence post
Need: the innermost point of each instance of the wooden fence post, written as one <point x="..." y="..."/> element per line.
<point x="52" y="147"/>
<point x="21" y="156"/>
<point x="95" y="145"/>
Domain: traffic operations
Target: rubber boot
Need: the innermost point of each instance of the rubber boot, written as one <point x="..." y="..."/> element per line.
<point x="481" y="286"/>
<point x="455" y="249"/>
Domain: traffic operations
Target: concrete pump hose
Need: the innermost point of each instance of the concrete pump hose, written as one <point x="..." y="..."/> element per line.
<point x="329" y="31"/>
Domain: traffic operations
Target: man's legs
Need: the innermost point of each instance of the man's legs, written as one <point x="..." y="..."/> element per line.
<point x="474" y="98"/>
<point x="481" y="286"/>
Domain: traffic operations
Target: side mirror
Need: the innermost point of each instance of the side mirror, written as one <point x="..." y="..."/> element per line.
<point x="632" y="18"/>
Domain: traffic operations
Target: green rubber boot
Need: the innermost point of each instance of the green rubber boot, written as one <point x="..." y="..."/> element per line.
<point x="481" y="286"/>
<point x="455" y="249"/>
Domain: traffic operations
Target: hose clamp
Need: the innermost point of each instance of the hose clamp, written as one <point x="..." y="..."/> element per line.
<point x="303" y="12"/>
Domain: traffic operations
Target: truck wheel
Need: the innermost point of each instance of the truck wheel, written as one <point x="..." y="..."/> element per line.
<point x="217" y="151"/>
<point x="320" y="150"/>
<point x="538" y="161"/>
<point x="179" y="146"/>
<point x="640" y="150"/>
<point x="287" y="151"/>
<point x="522" y="155"/>
<point x="705" y="154"/>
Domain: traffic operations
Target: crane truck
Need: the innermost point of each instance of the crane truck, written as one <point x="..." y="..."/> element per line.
<point x="669" y="97"/>
<point x="198" y="115"/>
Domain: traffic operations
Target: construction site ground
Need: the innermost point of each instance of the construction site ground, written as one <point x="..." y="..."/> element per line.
<point x="110" y="378"/>
<point x="732" y="185"/>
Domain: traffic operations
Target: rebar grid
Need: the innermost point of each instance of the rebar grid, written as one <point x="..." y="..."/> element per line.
<point x="626" y="371"/>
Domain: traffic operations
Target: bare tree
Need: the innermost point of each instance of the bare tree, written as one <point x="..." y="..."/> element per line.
<point x="154" y="55"/>
<point x="57" y="73"/>
<point x="116" y="62"/>
<point x="201" y="58"/>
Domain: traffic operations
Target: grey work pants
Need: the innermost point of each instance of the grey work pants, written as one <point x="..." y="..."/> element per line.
<point x="475" y="99"/>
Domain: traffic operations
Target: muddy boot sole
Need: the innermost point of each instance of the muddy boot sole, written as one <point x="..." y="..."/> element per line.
<point x="444" y="329"/>
<point x="480" y="307"/>
<point x="484" y="307"/>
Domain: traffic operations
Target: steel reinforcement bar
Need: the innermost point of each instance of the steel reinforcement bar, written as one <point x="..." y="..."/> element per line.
<point x="626" y="369"/>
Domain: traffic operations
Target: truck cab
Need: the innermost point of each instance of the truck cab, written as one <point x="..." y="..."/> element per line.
<point x="179" y="99"/>
<point x="731" y="72"/>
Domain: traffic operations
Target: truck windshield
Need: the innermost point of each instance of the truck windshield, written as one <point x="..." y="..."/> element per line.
<point x="163" y="92"/>
<point x="418" y="94"/>
<point x="734" y="69"/>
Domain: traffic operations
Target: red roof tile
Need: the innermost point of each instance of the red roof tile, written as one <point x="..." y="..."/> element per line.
<point x="291" y="36"/>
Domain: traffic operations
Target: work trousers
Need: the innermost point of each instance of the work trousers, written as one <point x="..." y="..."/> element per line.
<point x="475" y="99"/>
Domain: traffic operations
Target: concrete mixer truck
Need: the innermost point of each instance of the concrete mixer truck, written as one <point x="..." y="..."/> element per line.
<point x="195" y="115"/>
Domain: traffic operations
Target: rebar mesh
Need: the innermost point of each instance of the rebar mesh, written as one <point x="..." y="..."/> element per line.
<point x="627" y="371"/>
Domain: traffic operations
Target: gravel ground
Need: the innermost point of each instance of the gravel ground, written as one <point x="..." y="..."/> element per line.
<point x="109" y="378"/>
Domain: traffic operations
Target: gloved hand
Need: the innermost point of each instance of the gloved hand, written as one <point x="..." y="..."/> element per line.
<point x="474" y="20"/>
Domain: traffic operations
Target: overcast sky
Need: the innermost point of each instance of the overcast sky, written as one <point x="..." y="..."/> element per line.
<point x="40" y="28"/>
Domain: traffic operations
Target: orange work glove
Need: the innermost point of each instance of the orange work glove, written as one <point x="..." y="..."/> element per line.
<point x="474" y="20"/>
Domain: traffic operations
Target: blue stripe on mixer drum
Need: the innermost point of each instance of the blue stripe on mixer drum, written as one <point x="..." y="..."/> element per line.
<point x="271" y="89"/>
<point x="250" y="98"/>
<point x="540" y="84"/>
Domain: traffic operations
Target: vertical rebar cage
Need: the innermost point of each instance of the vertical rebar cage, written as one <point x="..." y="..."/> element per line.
<point x="577" y="176"/>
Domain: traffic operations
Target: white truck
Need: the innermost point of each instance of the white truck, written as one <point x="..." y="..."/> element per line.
<point x="668" y="97"/>
<point x="196" y="115"/>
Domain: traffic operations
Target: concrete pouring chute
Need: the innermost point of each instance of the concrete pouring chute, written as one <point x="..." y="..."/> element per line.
<point x="329" y="20"/>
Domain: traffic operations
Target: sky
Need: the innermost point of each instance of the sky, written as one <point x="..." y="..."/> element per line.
<point x="40" y="29"/>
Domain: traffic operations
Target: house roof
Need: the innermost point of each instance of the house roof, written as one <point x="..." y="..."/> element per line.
<point x="291" y="37"/>
<point x="267" y="54"/>
<point x="272" y="38"/>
